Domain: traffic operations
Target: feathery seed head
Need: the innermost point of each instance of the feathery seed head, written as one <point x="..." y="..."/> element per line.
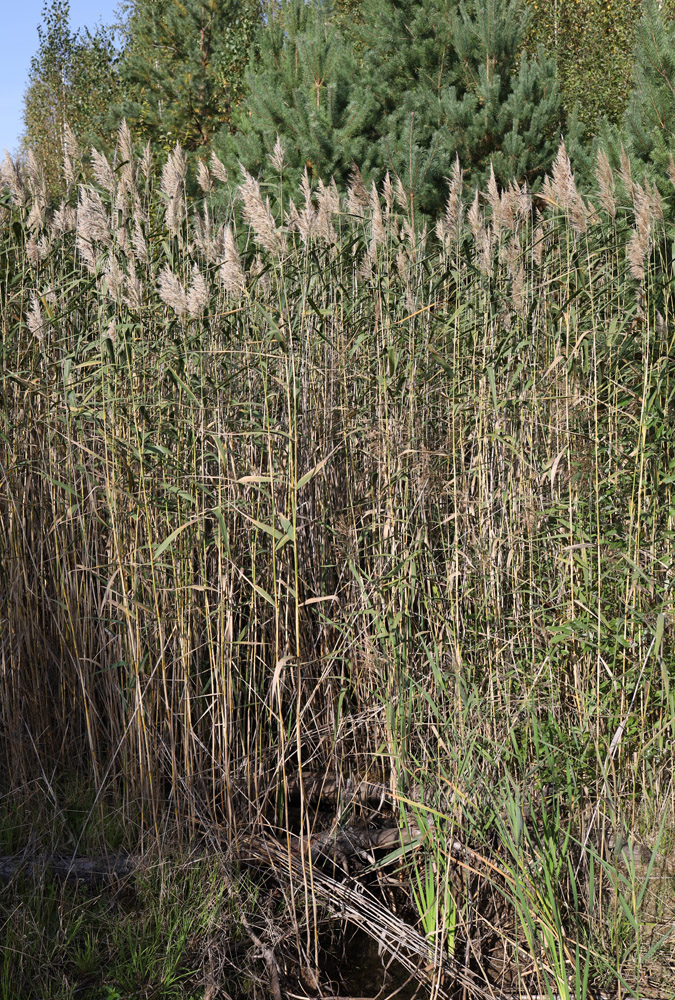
<point x="358" y="199"/>
<point x="35" y="320"/>
<point x="64" y="220"/>
<point x="174" y="172"/>
<point x="259" y="216"/>
<point x="198" y="294"/>
<point x="218" y="169"/>
<point x="102" y="171"/>
<point x="139" y="244"/>
<point x="388" y="193"/>
<point x="204" y="177"/>
<point x="172" y="292"/>
<point x="11" y="179"/>
<point x="377" y="224"/>
<point x="277" y="156"/>
<point x="231" y="272"/>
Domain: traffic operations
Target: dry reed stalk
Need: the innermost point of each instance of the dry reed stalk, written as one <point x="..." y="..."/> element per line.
<point x="71" y="155"/>
<point x="328" y="207"/>
<point x="606" y="184"/>
<point x="126" y="156"/>
<point x="146" y="162"/>
<point x="174" y="172"/>
<point x="36" y="216"/>
<point x="640" y="241"/>
<point x="139" y="243"/>
<point x="37" y="186"/>
<point x="33" y="251"/>
<point x="307" y="219"/>
<point x="482" y="236"/>
<point x="113" y="276"/>
<point x="133" y="288"/>
<point x="388" y="193"/>
<point x="377" y="224"/>
<point x="173" y="188"/>
<point x="93" y="227"/>
<point x="495" y="202"/>
<point x="626" y="174"/>
<point x="538" y="242"/>
<point x="449" y="225"/>
<point x="401" y="195"/>
<point x="10" y="178"/>
<point x="203" y="235"/>
<point x="35" y="320"/>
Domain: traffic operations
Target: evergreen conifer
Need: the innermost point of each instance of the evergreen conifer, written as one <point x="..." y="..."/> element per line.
<point x="182" y="68"/>
<point x="301" y="90"/>
<point x="453" y="80"/>
<point x="649" y="124"/>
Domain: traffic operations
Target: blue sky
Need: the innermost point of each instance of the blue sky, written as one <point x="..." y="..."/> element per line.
<point x="19" y="43"/>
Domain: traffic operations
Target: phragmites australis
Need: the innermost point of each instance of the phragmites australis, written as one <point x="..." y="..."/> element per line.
<point x="449" y="225"/>
<point x="198" y="294"/>
<point x="71" y="155"/>
<point x="258" y="215"/>
<point x="125" y="157"/>
<point x="204" y="177"/>
<point x="64" y="220"/>
<point x="646" y="209"/>
<point x="35" y="320"/>
<point x="606" y="184"/>
<point x="231" y="273"/>
<point x="358" y="200"/>
<point x="172" y="187"/>
<point x="565" y="192"/>
<point x="102" y="171"/>
<point x="172" y="293"/>
<point x="376" y="221"/>
<point x="328" y="207"/>
<point x="10" y="178"/>
<point x="93" y="226"/>
<point x="277" y="156"/>
<point x="217" y="168"/>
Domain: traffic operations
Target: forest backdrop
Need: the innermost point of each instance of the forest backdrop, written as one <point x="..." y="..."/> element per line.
<point x="401" y="87"/>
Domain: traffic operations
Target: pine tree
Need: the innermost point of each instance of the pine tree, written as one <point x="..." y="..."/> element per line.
<point x="506" y="112"/>
<point x="453" y="80"/>
<point x="649" y="124"/>
<point x="71" y="80"/>
<point x="183" y="66"/>
<point x="418" y="83"/>
<point x="301" y="90"/>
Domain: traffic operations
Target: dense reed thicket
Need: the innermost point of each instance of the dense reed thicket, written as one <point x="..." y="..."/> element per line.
<point x="305" y="489"/>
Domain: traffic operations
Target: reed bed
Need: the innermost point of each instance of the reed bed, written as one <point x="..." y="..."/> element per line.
<point x="305" y="487"/>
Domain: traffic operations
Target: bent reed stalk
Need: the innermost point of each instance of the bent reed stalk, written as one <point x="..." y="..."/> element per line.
<point x="318" y="491"/>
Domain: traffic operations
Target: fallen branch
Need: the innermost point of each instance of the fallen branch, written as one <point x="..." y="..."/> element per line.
<point x="88" y="870"/>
